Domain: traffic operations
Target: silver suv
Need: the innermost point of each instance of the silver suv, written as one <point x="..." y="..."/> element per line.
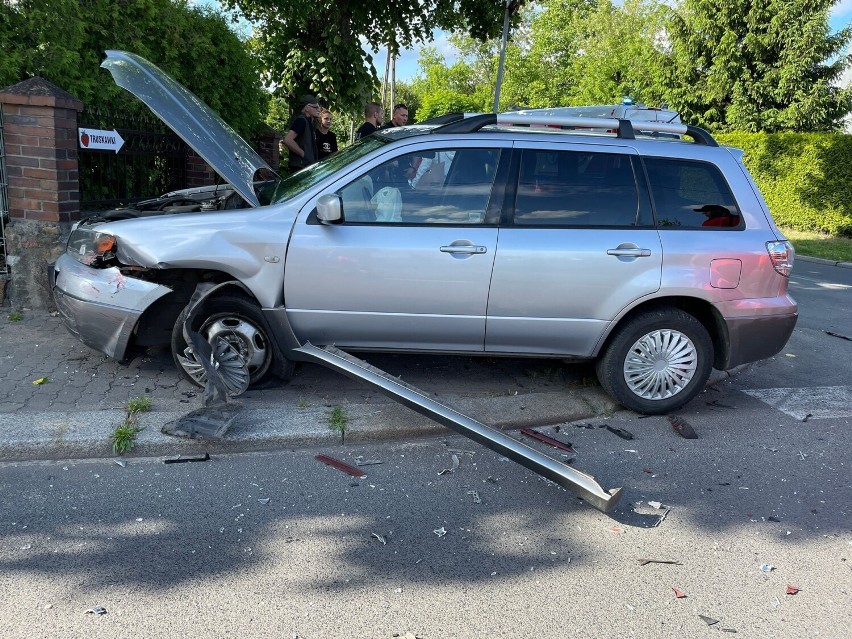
<point x="657" y="258"/>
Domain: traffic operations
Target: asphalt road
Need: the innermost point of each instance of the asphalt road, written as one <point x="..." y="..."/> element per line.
<point x="280" y="545"/>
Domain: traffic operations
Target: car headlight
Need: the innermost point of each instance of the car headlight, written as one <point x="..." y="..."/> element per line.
<point x="91" y="247"/>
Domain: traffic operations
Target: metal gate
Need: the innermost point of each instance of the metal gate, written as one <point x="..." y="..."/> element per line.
<point x="4" y="204"/>
<point x="152" y="160"/>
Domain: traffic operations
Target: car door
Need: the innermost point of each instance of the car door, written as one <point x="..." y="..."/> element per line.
<point x="409" y="267"/>
<point x="577" y="247"/>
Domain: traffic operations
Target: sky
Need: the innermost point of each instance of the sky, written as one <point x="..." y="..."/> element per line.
<point x="406" y="64"/>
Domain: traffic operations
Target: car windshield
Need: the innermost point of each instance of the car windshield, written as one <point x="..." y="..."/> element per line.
<point x="293" y="185"/>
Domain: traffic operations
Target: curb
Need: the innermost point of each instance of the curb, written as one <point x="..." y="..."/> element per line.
<point x="821" y="260"/>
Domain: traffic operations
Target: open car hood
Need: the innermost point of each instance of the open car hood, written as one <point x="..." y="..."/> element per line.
<point x="195" y="122"/>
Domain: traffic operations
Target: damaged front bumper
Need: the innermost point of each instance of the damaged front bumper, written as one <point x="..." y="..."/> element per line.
<point x="101" y="306"/>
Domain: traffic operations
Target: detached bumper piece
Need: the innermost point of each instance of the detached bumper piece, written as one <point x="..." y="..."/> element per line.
<point x="578" y="482"/>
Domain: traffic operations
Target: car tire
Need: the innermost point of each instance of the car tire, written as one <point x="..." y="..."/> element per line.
<point x="656" y="361"/>
<point x="241" y="325"/>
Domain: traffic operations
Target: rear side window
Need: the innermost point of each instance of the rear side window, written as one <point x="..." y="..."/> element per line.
<point x="691" y="195"/>
<point x="571" y="188"/>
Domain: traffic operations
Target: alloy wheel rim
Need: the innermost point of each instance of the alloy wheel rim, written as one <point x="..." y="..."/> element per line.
<point x="660" y="364"/>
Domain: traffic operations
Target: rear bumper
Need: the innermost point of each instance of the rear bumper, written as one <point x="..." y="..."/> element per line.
<point x="762" y="333"/>
<point x="101" y="306"/>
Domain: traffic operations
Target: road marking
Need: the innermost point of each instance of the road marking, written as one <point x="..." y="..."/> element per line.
<point x="822" y="402"/>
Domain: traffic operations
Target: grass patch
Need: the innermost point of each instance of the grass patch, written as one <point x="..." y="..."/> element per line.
<point x="124" y="436"/>
<point x="16" y="316"/>
<point x="338" y="421"/>
<point x="838" y="249"/>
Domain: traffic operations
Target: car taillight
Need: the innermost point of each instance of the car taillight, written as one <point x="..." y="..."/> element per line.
<point x="782" y="255"/>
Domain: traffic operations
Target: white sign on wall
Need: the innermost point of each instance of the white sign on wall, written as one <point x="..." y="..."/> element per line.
<point x="98" y="140"/>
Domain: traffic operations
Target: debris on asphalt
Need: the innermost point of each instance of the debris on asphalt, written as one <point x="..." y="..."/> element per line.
<point x="180" y="459"/>
<point x="476" y="498"/>
<point x="360" y="461"/>
<point x="767" y="568"/>
<point x="807" y="417"/>
<point x="708" y="620"/>
<point x="97" y="610"/>
<point x="121" y="462"/>
<point x="645" y="562"/>
<point x="655" y="504"/>
<point x="26" y="547"/>
<point x="264" y="500"/>
<point x="802" y="455"/>
<point x="838" y="335"/>
<point x="534" y="434"/>
<point x="452" y="469"/>
<point x="682" y="427"/>
<point x="773" y="520"/>
<point x="624" y="434"/>
<point x="680" y="594"/>
<point x="440" y="531"/>
<point x="339" y="465"/>
<point x="40" y="381"/>
<point x="719" y="404"/>
<point x="648" y="470"/>
<point x="792" y="590"/>
<point x="662" y="517"/>
<point x="380" y="538"/>
<point x="210" y="422"/>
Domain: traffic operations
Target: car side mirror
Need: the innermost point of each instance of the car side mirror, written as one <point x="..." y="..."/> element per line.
<point x="329" y="209"/>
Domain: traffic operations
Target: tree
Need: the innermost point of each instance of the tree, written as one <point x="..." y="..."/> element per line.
<point x="64" y="42"/>
<point x="758" y="65"/>
<point x="315" y="47"/>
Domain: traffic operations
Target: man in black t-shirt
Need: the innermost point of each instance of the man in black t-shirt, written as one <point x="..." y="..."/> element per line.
<point x="373" y="114"/>
<point x="326" y="138"/>
<point x="300" y="139"/>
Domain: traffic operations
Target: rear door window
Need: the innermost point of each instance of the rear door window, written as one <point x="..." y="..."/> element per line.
<point x="576" y="189"/>
<point x="689" y="194"/>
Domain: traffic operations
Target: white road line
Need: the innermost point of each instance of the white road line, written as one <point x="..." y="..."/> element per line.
<point x="822" y="402"/>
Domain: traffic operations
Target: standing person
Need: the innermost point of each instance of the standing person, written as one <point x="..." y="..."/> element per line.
<point x="301" y="137"/>
<point x="399" y="117"/>
<point x="326" y="138"/>
<point x="373" y="114"/>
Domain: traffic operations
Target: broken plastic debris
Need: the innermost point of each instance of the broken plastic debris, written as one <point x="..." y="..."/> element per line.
<point x="40" y="381"/>
<point x="655" y="504"/>
<point x="773" y="519"/>
<point x="360" y="461"/>
<point x="26" y="547"/>
<point x="529" y="432"/>
<point x="121" y="462"/>
<point x="97" y="610"/>
<point x="708" y="620"/>
<point x="792" y="590"/>
<point x="265" y="500"/>
<point x="624" y="434"/>
<point x="181" y="460"/>
<point x="380" y="538"/>
<point x="682" y="427"/>
<point x="476" y="498"/>
<point x="767" y="568"/>
<point x="440" y="531"/>
<point x="453" y="468"/>
<point x="680" y="594"/>
<point x="339" y="465"/>
<point x="645" y="562"/>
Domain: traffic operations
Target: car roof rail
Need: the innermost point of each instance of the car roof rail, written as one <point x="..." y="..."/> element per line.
<point x="444" y="119"/>
<point x="625" y="129"/>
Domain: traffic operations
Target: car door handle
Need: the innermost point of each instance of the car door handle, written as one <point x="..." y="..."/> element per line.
<point x="629" y="252"/>
<point x="464" y="249"/>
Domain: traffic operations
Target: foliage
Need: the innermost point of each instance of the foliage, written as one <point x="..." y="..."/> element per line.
<point x="757" y="65"/>
<point x="124" y="436"/>
<point x="16" y="316"/>
<point x="64" y="41"/>
<point x="338" y="421"/>
<point x="806" y="179"/>
<point x="837" y="249"/>
<point x="316" y="47"/>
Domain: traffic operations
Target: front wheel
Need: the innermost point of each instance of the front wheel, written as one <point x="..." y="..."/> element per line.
<point x="237" y="332"/>
<point x="657" y="361"/>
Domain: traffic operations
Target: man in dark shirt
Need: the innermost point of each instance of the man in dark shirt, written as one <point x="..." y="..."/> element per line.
<point x="300" y="139"/>
<point x="399" y="117"/>
<point x="326" y="138"/>
<point x="373" y="114"/>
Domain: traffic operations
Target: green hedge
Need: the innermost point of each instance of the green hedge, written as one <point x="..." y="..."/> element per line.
<point x="805" y="178"/>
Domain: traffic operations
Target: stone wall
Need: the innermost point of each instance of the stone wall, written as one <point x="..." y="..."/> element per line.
<point x="40" y="143"/>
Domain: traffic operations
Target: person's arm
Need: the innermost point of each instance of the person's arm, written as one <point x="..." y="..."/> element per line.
<point x="290" y="143"/>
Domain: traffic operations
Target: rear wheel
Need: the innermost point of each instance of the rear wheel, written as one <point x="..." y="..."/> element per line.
<point x="657" y="361"/>
<point x="235" y="329"/>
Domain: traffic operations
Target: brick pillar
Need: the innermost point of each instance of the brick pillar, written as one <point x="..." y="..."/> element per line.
<point x="198" y="172"/>
<point x="268" y="147"/>
<point x="40" y="140"/>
